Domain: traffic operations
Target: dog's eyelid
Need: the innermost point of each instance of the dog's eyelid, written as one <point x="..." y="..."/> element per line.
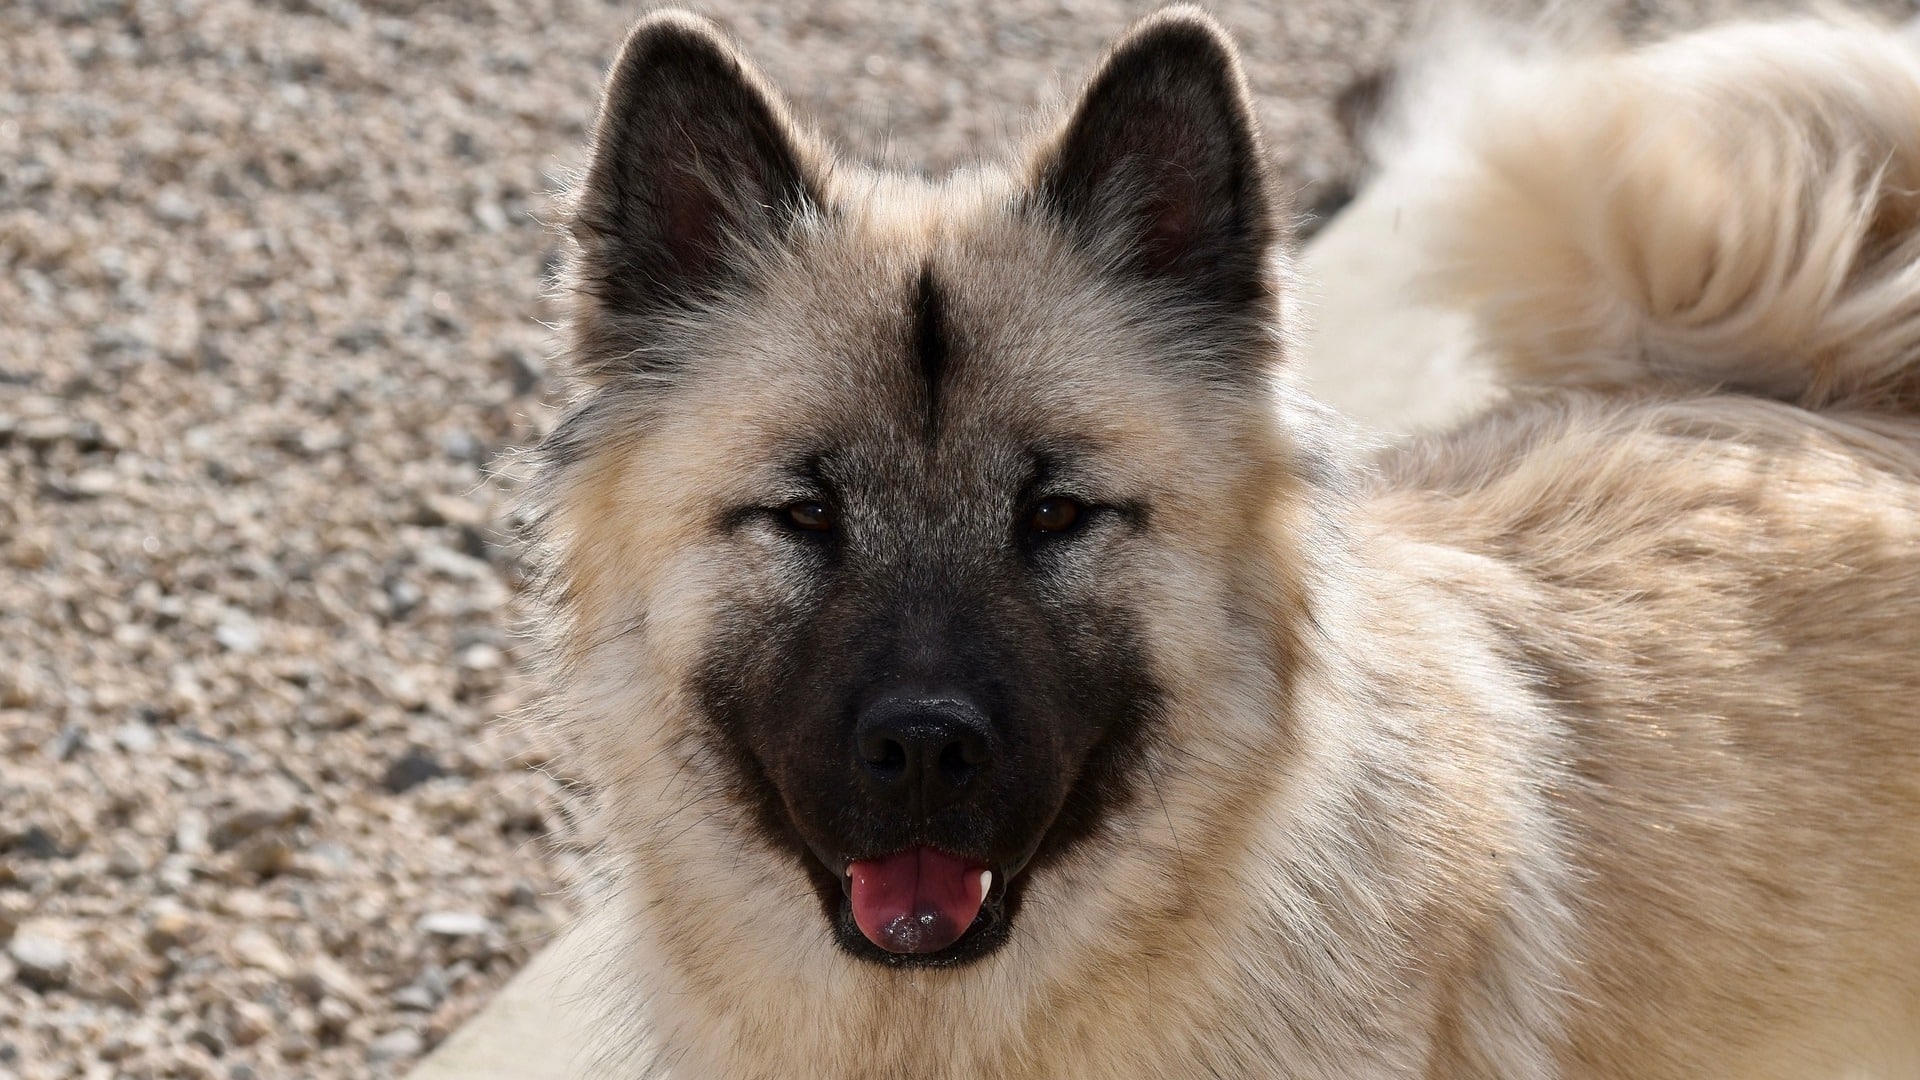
<point x="814" y="517"/>
<point x="1057" y="515"/>
<point x="778" y="513"/>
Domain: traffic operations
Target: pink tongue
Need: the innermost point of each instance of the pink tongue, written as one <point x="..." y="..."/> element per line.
<point x="915" y="901"/>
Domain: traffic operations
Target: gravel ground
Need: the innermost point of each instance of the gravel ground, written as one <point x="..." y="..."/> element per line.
<point x="269" y="317"/>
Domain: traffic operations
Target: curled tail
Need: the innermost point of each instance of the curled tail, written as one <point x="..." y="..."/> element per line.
<point x="1739" y="207"/>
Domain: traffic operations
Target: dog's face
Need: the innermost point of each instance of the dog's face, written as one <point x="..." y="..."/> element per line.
<point x="897" y="513"/>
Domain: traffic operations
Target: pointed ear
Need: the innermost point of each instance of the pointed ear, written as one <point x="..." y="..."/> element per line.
<point x="1160" y="171"/>
<point x="695" y="164"/>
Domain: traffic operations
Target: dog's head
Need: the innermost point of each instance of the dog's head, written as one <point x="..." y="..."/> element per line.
<point x="906" y="531"/>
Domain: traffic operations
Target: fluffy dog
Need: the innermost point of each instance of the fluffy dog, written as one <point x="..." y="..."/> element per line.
<point x="988" y="664"/>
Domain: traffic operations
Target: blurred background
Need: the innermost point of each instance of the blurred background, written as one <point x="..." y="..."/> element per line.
<point x="272" y="279"/>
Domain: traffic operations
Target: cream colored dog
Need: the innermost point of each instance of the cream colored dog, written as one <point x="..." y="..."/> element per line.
<point x="988" y="665"/>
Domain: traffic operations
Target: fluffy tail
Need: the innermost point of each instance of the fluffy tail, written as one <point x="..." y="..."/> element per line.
<point x="1739" y="207"/>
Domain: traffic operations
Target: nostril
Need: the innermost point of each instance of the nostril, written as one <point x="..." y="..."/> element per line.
<point x="954" y="763"/>
<point x="882" y="752"/>
<point x="963" y="756"/>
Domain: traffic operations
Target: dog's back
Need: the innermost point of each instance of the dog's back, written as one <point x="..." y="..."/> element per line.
<point x="1698" y="527"/>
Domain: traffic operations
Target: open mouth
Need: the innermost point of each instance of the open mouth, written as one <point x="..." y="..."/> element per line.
<point x="916" y="901"/>
<point x="920" y="907"/>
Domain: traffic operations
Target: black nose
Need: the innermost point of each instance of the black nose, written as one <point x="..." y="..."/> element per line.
<point x="923" y="752"/>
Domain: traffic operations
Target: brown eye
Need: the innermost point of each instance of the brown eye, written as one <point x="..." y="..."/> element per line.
<point x="1054" y="515"/>
<point x="810" y="516"/>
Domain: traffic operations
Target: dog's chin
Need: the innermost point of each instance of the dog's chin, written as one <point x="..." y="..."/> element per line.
<point x="991" y="928"/>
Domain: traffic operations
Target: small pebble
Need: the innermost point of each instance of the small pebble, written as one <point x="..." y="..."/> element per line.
<point x="239" y="635"/>
<point x="248" y="1022"/>
<point x="321" y="977"/>
<point x="66" y="743"/>
<point x="190" y="833"/>
<point x="411" y="769"/>
<point x="415" y="999"/>
<point x="135" y="738"/>
<point x="400" y="1044"/>
<point x="454" y="924"/>
<point x="168" y="927"/>
<point x="206" y="1039"/>
<point x="257" y="949"/>
<point x="125" y="862"/>
<point x="35" y="842"/>
<point x="43" y="959"/>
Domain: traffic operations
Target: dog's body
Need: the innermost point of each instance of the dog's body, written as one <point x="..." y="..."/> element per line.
<point x="1583" y="741"/>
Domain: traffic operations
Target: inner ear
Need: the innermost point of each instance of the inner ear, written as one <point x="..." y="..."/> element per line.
<point x="695" y="164"/>
<point x="1160" y="170"/>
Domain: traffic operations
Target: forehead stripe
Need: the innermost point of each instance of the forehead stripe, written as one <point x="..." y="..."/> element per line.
<point x="929" y="334"/>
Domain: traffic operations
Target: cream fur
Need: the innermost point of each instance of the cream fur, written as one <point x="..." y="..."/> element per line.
<point x="1737" y="207"/>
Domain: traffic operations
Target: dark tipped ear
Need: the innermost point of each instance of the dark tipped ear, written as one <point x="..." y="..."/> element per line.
<point x="1160" y="169"/>
<point x="694" y="161"/>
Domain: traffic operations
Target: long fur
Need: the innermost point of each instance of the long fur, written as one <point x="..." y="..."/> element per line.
<point x="1736" y="208"/>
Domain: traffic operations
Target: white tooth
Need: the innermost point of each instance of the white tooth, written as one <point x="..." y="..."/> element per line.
<point x="986" y="882"/>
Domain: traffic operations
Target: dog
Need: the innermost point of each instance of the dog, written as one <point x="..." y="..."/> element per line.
<point x="986" y="661"/>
